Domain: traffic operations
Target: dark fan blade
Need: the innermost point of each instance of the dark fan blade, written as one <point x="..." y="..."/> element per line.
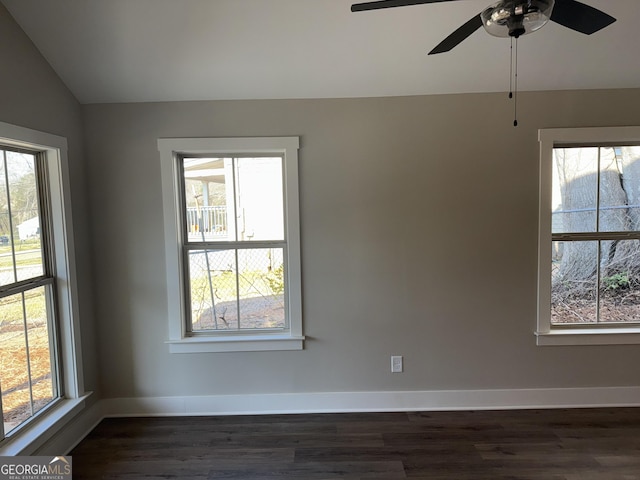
<point x="580" y="17"/>
<point x="360" y="7"/>
<point x="458" y="36"/>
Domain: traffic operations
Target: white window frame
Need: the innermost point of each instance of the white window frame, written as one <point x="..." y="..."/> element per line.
<point x="548" y="334"/>
<point x="179" y="340"/>
<point x="36" y="431"/>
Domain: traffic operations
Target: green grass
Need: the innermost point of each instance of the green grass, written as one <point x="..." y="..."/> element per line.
<point x="25" y="254"/>
<point x="35" y="305"/>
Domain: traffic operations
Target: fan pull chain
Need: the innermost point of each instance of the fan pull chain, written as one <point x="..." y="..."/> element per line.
<point x="515" y="95"/>
<point x="511" y="70"/>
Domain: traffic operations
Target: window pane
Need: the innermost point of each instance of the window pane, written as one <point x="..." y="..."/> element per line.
<point x="209" y="199"/>
<point x="39" y="337"/>
<point x="620" y="281"/>
<point x="219" y="287"/>
<point x="573" y="282"/>
<point x="20" y="245"/>
<point x="259" y="199"/>
<point x="214" y="293"/>
<point x="620" y="189"/>
<point x="234" y="199"/>
<point x="14" y="368"/>
<point x="575" y="187"/>
<point x="261" y="281"/>
<point x="7" y="274"/>
<point x="25" y="356"/>
<point x="613" y="209"/>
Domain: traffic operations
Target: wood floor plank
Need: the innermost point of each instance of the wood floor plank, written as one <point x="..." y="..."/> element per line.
<point x="440" y="450"/>
<point x="582" y="444"/>
<point x="314" y="470"/>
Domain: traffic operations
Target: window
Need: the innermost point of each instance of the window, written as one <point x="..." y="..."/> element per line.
<point x="40" y="365"/>
<point x="231" y="208"/>
<point x="29" y="378"/>
<point x="589" y="249"/>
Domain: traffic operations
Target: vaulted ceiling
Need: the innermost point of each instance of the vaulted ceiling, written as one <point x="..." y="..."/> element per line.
<point x="166" y="50"/>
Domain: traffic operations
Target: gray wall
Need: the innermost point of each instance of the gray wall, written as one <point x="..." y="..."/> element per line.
<point x="419" y="232"/>
<point x="33" y="96"/>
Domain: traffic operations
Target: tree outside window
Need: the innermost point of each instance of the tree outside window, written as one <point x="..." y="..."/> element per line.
<point x="595" y="275"/>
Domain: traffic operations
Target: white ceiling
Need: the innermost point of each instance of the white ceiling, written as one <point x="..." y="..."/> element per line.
<point x="165" y="50"/>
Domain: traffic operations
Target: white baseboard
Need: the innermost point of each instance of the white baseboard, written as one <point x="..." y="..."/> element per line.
<point x="64" y="440"/>
<point x="264" y="404"/>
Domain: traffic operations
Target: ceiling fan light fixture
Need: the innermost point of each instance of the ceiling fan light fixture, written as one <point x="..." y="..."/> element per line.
<point x="499" y="15"/>
<point x="513" y="18"/>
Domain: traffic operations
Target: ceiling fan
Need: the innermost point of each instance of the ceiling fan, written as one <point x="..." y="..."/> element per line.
<point x="511" y="18"/>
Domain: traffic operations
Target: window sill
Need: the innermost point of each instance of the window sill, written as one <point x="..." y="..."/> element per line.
<point x="589" y="336"/>
<point x="244" y="343"/>
<point x="43" y="428"/>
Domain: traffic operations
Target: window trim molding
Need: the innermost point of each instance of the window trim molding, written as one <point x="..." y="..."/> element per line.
<point x="73" y="392"/>
<point x="547" y="334"/>
<point x="179" y="341"/>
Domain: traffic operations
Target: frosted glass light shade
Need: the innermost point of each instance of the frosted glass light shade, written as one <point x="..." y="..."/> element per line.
<point x="513" y="18"/>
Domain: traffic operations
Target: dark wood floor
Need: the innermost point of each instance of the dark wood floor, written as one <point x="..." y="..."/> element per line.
<point x="583" y="444"/>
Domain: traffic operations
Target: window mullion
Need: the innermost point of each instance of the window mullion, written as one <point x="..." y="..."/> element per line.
<point x="28" y="355"/>
<point x="1" y="415"/>
<point x="23" y="286"/>
<point x="10" y="215"/>
<point x="582" y="237"/>
<point x="237" y="286"/>
<point x="246" y="245"/>
<point x="598" y="182"/>
<point x="1" y="408"/>
<point x="599" y="253"/>
<point x="598" y="278"/>
<point x="211" y="292"/>
<point x="234" y="179"/>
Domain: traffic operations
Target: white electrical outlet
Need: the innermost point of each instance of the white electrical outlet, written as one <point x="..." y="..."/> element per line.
<point x="396" y="364"/>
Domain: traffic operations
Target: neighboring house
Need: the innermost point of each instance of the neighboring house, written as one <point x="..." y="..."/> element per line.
<point x="29" y="229"/>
